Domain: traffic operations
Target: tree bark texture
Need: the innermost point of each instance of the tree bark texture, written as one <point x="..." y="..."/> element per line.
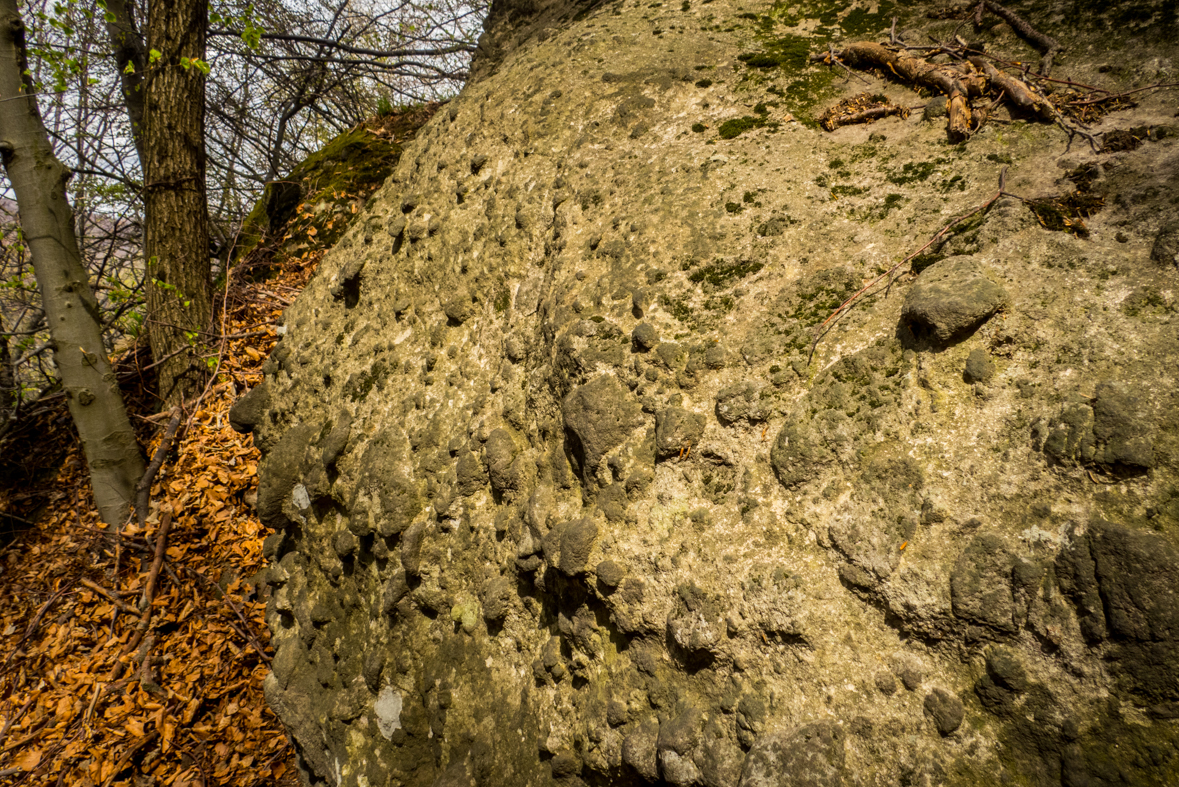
<point x="176" y="232"/>
<point x="131" y="59"/>
<point x="39" y="181"/>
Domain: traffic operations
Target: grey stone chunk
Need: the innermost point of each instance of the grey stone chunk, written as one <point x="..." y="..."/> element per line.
<point x="272" y="545"/>
<point x="812" y="756"/>
<point x="682" y="732"/>
<point x="617" y="713"/>
<point x="644" y="336"/>
<point x="886" y="684"/>
<point x="472" y="476"/>
<point x="504" y="472"/>
<point x="678" y="769"/>
<point x="345" y="543"/>
<point x="459" y="307"/>
<point x="295" y="709"/>
<point x="280" y="473"/>
<point x="950" y="298"/>
<point x="799" y="454"/>
<point x="639" y="752"/>
<point x="411" y="548"/>
<point x="671" y="356"/>
<point x="337" y="440"/>
<point x="1125" y="586"/>
<point x="248" y="411"/>
<point x="600" y="414"/>
<point x="577" y="540"/>
<point x="741" y="402"/>
<point x="1071" y="436"/>
<point x="610" y="573"/>
<point x="347" y="286"/>
<point x="1119" y="422"/>
<point x="1165" y="251"/>
<point x="935" y="108"/>
<point x="497" y="598"/>
<point x="565" y="764"/>
<point x="395" y="589"/>
<point x="945" y="710"/>
<point x="980" y="584"/>
<point x="515" y="349"/>
<point x="374" y="667"/>
<point x="979" y="367"/>
<point x="716" y="357"/>
<point x="677" y="431"/>
<point x="910" y="675"/>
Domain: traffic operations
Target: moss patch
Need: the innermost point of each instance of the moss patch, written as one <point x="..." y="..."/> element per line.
<point x="738" y="126"/>
<point x="723" y="274"/>
<point x="316" y="200"/>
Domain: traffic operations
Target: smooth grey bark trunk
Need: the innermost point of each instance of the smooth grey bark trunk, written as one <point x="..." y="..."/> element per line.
<point x="39" y="181"/>
<point x="130" y="55"/>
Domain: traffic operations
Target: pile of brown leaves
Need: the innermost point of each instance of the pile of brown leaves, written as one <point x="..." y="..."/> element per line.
<point x="186" y="706"/>
<point x="100" y="688"/>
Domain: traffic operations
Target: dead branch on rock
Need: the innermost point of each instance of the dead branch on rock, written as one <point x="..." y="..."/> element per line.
<point x="1045" y="44"/>
<point x="955" y="83"/>
<point x="959" y="82"/>
<point x="863" y="108"/>
<point x="890" y="274"/>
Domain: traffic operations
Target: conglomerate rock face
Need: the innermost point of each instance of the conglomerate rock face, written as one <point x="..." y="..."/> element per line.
<point x="562" y="496"/>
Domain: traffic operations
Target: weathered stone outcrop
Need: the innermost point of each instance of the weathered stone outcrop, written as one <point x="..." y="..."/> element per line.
<point x="562" y="497"/>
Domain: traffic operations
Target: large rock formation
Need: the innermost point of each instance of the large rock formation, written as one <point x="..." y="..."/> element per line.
<point x="561" y="496"/>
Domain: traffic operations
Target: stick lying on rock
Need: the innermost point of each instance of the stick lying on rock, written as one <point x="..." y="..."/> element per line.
<point x="958" y="82"/>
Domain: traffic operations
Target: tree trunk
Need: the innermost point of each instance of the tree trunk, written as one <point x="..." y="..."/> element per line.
<point x="39" y="180"/>
<point x="176" y="231"/>
<point x="131" y="59"/>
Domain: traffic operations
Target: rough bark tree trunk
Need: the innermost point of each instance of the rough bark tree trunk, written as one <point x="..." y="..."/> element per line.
<point x="176" y="232"/>
<point x="39" y="179"/>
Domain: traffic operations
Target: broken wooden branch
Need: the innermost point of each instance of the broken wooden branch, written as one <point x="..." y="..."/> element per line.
<point x="1045" y="44"/>
<point x="958" y="85"/>
<point x="863" y="108"/>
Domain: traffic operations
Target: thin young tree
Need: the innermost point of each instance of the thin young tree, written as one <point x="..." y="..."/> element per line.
<point x="39" y="181"/>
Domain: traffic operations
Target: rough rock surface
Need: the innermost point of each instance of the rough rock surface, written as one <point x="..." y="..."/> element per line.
<point x="561" y="496"/>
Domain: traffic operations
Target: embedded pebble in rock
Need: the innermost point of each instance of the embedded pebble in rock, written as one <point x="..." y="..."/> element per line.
<point x="812" y="756"/>
<point x="610" y="573"/>
<point x="1165" y="251"/>
<point x="950" y="298"/>
<point x="645" y="336"/>
<point x="560" y="494"/>
<point x="979" y="367"/>
<point x="945" y="710"/>
<point x="677" y="431"/>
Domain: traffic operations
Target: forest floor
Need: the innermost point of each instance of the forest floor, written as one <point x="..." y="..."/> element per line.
<point x="112" y="673"/>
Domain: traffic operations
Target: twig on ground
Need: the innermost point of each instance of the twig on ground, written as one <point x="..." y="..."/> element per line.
<point x="143" y="488"/>
<point x="100" y="590"/>
<point x="145" y="602"/>
<point x="14" y="719"/>
<point x="125" y="760"/>
<point x="222" y="596"/>
<point x="33" y="624"/>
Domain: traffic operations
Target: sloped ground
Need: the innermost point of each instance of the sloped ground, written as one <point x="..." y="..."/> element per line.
<point x="84" y="698"/>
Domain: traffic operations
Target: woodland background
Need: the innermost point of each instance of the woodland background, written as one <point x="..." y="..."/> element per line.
<point x="133" y="646"/>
